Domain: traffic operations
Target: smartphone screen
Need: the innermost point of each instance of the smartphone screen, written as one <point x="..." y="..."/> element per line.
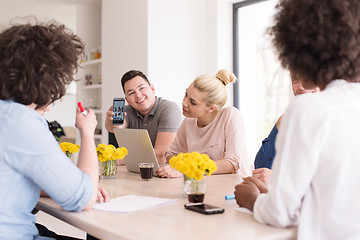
<point x="204" y="208"/>
<point x="118" y="109"/>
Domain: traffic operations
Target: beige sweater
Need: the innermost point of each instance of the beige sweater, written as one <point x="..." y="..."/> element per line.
<point x="223" y="138"/>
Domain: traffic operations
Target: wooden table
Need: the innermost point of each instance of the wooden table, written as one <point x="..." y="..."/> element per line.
<point x="171" y="221"/>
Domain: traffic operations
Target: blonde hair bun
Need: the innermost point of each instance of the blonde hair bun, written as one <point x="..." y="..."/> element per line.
<point x="225" y="76"/>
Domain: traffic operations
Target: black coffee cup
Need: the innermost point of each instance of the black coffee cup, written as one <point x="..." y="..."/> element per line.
<point x="146" y="171"/>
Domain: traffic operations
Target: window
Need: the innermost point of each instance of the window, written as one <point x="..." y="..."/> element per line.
<point x="263" y="89"/>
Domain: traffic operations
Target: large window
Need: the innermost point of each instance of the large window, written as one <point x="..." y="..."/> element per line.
<point x="262" y="91"/>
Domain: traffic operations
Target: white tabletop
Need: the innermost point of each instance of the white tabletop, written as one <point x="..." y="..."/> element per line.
<point x="171" y="221"/>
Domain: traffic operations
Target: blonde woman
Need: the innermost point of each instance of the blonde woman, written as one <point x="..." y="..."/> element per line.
<point x="209" y="128"/>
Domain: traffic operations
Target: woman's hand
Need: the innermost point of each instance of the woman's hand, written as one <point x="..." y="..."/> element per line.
<point x="261" y="186"/>
<point x="263" y="174"/>
<point x="120" y="162"/>
<point x="102" y="195"/>
<point x="166" y="171"/>
<point x="247" y="192"/>
<point x="86" y="124"/>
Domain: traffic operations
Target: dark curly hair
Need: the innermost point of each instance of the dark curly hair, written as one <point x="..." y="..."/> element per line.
<point x="37" y="62"/>
<point x="318" y="39"/>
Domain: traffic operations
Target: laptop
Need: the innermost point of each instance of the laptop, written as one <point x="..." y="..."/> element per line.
<point x="140" y="149"/>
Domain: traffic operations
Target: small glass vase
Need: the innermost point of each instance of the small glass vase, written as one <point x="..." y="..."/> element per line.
<point x="186" y="184"/>
<point x="194" y="189"/>
<point x="108" y="169"/>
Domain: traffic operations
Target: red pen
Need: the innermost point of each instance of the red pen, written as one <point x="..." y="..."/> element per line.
<point x="82" y="109"/>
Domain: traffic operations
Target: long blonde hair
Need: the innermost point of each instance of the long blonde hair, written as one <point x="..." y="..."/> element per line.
<point x="214" y="86"/>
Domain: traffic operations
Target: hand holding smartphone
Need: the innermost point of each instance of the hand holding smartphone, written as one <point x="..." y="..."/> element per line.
<point x="204" y="208"/>
<point x="118" y="109"/>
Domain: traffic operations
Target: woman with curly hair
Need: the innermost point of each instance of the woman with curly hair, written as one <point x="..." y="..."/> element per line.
<point x="37" y="62"/>
<point x="315" y="172"/>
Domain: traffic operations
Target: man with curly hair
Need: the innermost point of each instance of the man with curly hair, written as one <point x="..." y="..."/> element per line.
<point x="315" y="176"/>
<point x="37" y="62"/>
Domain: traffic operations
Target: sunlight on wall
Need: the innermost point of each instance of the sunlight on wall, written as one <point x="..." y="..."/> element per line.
<point x="264" y="85"/>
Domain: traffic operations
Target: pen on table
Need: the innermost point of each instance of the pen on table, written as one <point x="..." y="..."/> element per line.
<point x="228" y="197"/>
<point x="82" y="109"/>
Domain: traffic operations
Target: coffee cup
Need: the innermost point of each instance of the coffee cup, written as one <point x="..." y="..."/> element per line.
<point x="146" y="171"/>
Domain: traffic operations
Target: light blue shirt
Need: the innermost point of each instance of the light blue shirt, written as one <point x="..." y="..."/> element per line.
<point x="31" y="160"/>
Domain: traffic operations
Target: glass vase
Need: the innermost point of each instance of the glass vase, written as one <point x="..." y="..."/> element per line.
<point x="108" y="169"/>
<point x="194" y="189"/>
<point x="186" y="184"/>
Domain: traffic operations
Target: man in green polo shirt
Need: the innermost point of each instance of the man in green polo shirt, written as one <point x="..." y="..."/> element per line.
<point x="160" y="117"/>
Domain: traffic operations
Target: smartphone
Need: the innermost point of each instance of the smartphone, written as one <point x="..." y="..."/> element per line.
<point x="204" y="208"/>
<point x="118" y="109"/>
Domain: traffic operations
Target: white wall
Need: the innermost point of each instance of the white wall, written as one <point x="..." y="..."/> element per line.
<point x="124" y="43"/>
<point x="184" y="42"/>
<point x="177" y="45"/>
<point x="186" y="39"/>
<point x="62" y="111"/>
<point x="89" y="15"/>
<point x="44" y="11"/>
<point x="169" y="40"/>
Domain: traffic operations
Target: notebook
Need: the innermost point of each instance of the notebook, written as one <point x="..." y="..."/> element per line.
<point x="140" y="149"/>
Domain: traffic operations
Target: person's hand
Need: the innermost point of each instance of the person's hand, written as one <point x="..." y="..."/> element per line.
<point x="102" y="195"/>
<point x="120" y="162"/>
<point x="167" y="172"/>
<point x="109" y="115"/>
<point x="246" y="194"/>
<point x="108" y="120"/>
<point x="262" y="173"/>
<point x="43" y="194"/>
<point x="258" y="183"/>
<point x="85" y="124"/>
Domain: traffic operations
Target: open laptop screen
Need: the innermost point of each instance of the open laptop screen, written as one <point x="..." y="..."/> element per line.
<point x="138" y="144"/>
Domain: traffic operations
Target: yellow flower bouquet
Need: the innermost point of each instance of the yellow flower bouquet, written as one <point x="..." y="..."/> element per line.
<point x="194" y="166"/>
<point x="69" y="148"/>
<point x="107" y="155"/>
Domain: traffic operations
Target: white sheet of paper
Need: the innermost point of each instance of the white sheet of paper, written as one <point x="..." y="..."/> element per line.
<point x="131" y="203"/>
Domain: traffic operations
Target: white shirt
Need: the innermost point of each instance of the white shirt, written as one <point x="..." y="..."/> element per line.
<point x="315" y="180"/>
